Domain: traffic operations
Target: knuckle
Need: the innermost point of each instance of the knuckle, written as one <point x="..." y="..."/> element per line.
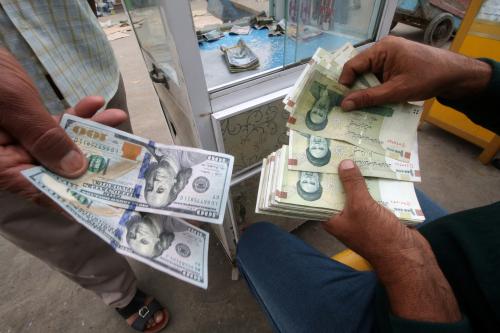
<point x="365" y="98"/>
<point x="352" y="178"/>
<point x="52" y="142"/>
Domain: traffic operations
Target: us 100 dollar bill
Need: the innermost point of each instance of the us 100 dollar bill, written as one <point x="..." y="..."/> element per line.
<point x="162" y="242"/>
<point x="312" y="153"/>
<point x="131" y="172"/>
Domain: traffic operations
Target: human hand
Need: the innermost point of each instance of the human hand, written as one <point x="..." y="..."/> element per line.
<point x="38" y="139"/>
<point x="401" y="257"/>
<point x="411" y="71"/>
<point x="365" y="226"/>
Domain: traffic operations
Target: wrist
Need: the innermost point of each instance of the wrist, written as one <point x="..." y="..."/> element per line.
<point x="470" y="78"/>
<point x="416" y="286"/>
<point x="404" y="262"/>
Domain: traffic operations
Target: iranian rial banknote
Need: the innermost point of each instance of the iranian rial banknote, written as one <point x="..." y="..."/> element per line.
<point x="314" y="104"/>
<point x="266" y="204"/>
<point x="333" y="63"/>
<point x="240" y="57"/>
<point x="163" y="242"/>
<point x="133" y="173"/>
<point x="320" y="193"/>
<point x="313" y="153"/>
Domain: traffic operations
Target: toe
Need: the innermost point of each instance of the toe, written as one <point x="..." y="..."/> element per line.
<point x="158" y="316"/>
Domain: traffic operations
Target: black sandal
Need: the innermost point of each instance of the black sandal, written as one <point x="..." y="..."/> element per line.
<point x="143" y="312"/>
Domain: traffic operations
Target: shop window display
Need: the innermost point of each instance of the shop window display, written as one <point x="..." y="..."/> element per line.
<point x="279" y="33"/>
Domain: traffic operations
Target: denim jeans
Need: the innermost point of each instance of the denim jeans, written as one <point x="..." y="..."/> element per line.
<point x="302" y="290"/>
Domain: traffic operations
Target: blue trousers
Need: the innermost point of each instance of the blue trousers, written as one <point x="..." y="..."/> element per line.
<point x="301" y="289"/>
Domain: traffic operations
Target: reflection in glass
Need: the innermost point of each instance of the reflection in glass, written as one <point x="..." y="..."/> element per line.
<point x="152" y="34"/>
<point x="278" y="32"/>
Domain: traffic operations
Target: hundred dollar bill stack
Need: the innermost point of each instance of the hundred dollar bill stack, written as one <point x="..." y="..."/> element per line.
<point x="300" y="180"/>
<point x="135" y="191"/>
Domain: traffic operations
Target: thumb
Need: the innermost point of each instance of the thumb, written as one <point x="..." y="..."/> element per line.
<point x="356" y="192"/>
<point x="24" y="117"/>
<point x="385" y="93"/>
<point x="354" y="184"/>
<point x="52" y="147"/>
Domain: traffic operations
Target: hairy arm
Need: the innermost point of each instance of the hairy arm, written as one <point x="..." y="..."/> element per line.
<point x="401" y="257"/>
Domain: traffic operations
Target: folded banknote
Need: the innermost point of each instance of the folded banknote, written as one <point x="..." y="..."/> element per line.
<point x="314" y="103"/>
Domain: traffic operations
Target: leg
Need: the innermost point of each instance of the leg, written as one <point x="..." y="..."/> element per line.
<point x="300" y="289"/>
<point x="432" y="210"/>
<point x="69" y="248"/>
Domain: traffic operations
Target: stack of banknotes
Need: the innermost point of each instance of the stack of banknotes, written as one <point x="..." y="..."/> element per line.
<point x="136" y="193"/>
<point x="301" y="179"/>
<point x="240" y="57"/>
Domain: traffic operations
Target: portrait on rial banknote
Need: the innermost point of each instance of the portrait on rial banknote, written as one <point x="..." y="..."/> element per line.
<point x="325" y="100"/>
<point x="309" y="186"/>
<point x="318" y="151"/>
<point x="168" y="175"/>
<point x="149" y="235"/>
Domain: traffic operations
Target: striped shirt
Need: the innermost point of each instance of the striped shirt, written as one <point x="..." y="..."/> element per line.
<point x="60" y="41"/>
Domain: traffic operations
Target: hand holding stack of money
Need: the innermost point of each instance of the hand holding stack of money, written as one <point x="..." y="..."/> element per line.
<point x="135" y="191"/>
<point x="300" y="180"/>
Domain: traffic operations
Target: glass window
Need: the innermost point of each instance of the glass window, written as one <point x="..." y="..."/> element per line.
<point x="239" y="39"/>
<point x="153" y="36"/>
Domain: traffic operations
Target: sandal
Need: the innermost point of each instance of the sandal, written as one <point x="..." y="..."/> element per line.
<point x="142" y="309"/>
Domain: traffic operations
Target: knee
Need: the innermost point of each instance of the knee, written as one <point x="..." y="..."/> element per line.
<point x="258" y="236"/>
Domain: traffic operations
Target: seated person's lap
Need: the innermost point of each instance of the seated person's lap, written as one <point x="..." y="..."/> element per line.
<point x="302" y="290"/>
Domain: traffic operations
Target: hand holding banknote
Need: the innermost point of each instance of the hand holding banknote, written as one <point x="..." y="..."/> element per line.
<point x="401" y="257"/>
<point x="30" y="136"/>
<point x="411" y="71"/>
<point x="364" y="225"/>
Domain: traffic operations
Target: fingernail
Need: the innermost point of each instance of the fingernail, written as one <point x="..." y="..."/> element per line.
<point x="349" y="105"/>
<point x="72" y="161"/>
<point x="346" y="165"/>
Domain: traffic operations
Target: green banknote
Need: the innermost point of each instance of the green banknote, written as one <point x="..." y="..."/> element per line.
<point x="325" y="192"/>
<point x="138" y="174"/>
<point x="313" y="153"/>
<point x="333" y="63"/>
<point x="163" y="242"/>
<point x="267" y="190"/>
<point x="388" y="130"/>
<point x="314" y="104"/>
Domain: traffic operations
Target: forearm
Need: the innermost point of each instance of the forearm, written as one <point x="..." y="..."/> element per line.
<point x="415" y="285"/>
<point x="477" y="95"/>
<point x="469" y="77"/>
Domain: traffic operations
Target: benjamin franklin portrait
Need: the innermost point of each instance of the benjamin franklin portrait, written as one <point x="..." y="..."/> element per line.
<point x="318" y="151"/>
<point x="149" y="235"/>
<point x="309" y="186"/>
<point x="317" y="116"/>
<point x="168" y="176"/>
